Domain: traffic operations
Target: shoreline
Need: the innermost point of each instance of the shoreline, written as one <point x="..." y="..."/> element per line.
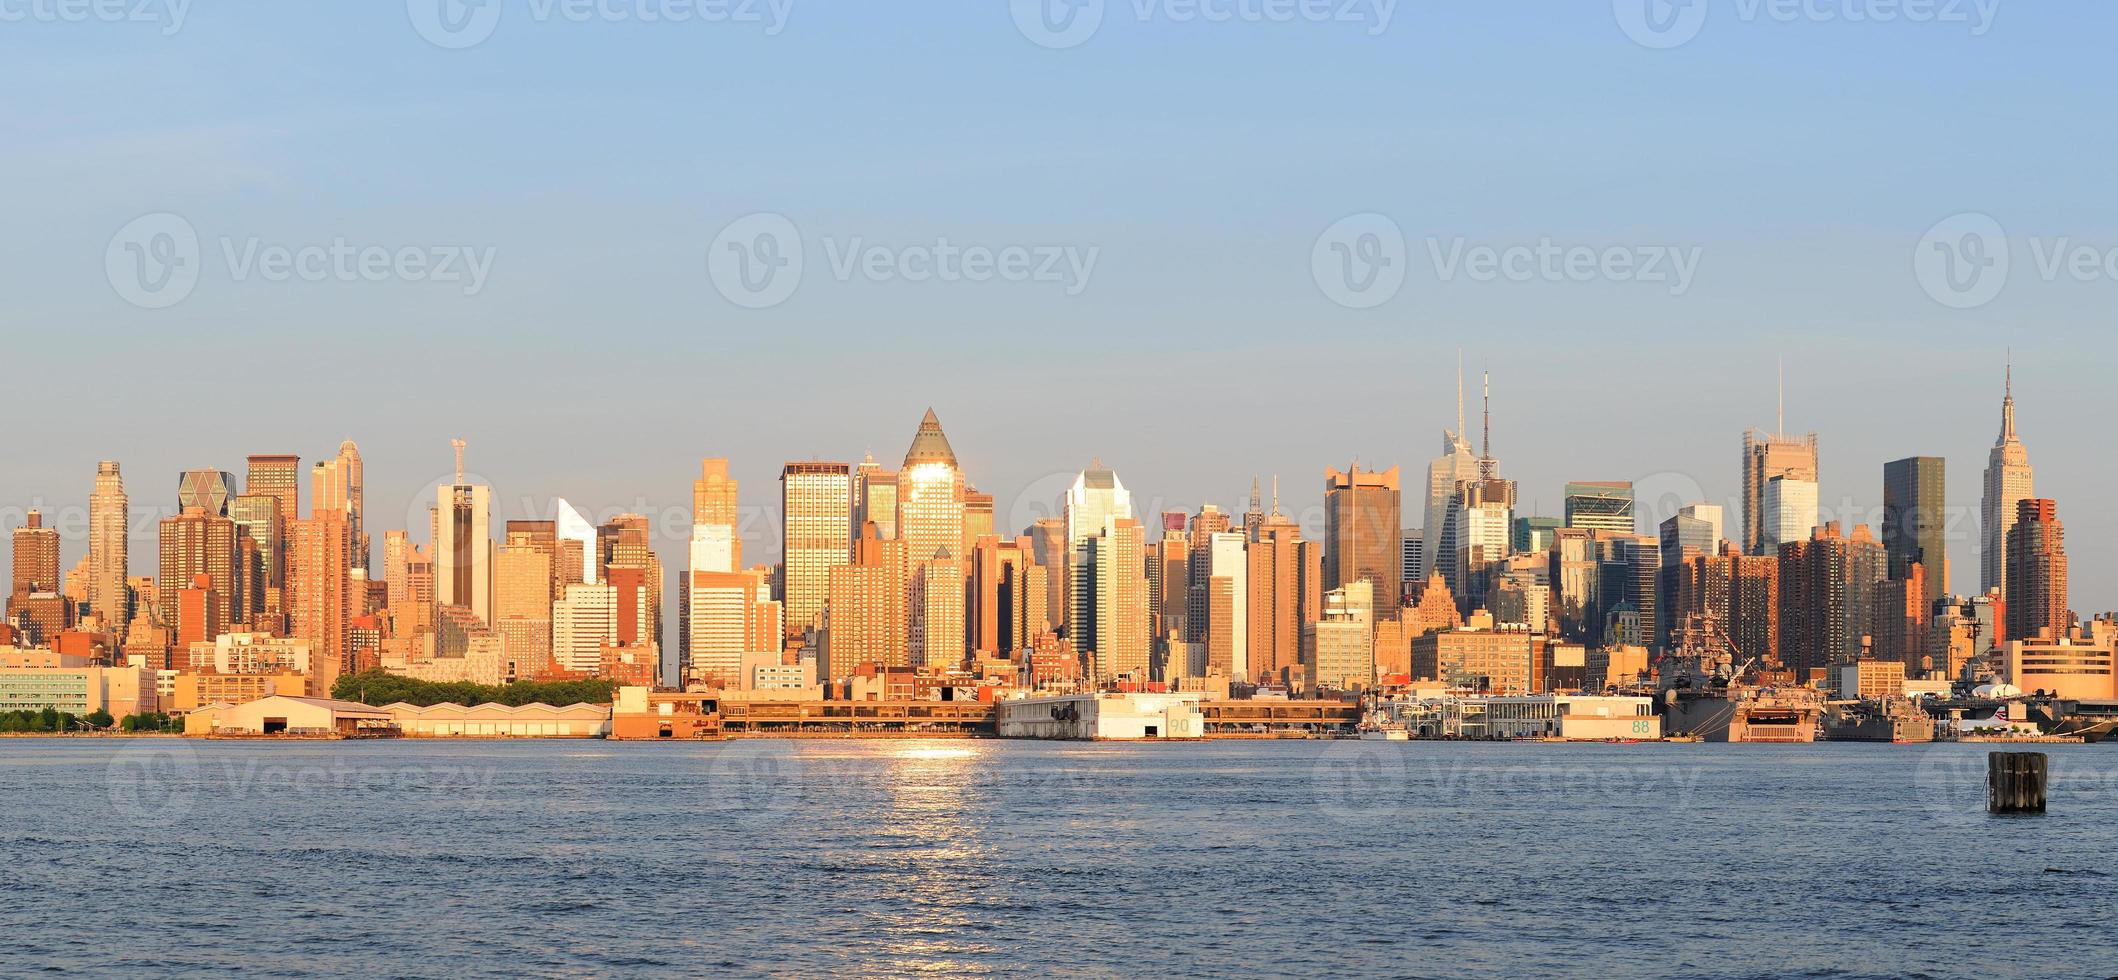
<point x="957" y="737"/>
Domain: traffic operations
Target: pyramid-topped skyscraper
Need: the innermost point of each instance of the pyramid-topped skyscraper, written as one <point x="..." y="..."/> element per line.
<point x="930" y="444"/>
<point x="930" y="519"/>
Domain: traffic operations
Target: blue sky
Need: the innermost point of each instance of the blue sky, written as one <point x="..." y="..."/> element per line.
<point x="595" y="162"/>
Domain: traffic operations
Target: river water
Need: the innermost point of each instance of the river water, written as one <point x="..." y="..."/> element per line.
<point x="980" y="858"/>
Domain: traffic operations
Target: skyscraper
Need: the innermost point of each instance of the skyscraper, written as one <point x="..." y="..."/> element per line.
<point x="1224" y="605"/>
<point x="1533" y="535"/>
<point x="522" y="600"/>
<point x="1788" y="512"/>
<point x="1007" y="608"/>
<point x="1285" y="593"/>
<point x="2037" y="573"/>
<point x="463" y="544"/>
<point x="936" y="629"/>
<point x="279" y="476"/>
<point x="874" y="500"/>
<point x="930" y="524"/>
<point x="1048" y="547"/>
<point x="1093" y="503"/>
<point x="930" y="492"/>
<point x="816" y="504"/>
<point x="194" y="543"/>
<point x="1480" y="535"/>
<point x="1736" y="594"/>
<point x="1694" y="527"/>
<point x="107" y="566"/>
<point x="1766" y="457"/>
<point x="1361" y="528"/>
<point x="576" y="542"/>
<point x="625" y="554"/>
<point x="339" y="483"/>
<point x="1210" y="520"/>
<point x="36" y="557"/>
<point x="319" y="552"/>
<point x="264" y="558"/>
<point x="1457" y="465"/>
<point x="2009" y="481"/>
<point x="1830" y="586"/>
<point x="977" y="518"/>
<point x="1915" y="522"/>
<point x="1694" y="531"/>
<point x="207" y="490"/>
<point x="1117" y="616"/>
<point x="865" y="615"/>
<point x="584" y="621"/>
<point x="1600" y="506"/>
<point x="732" y="616"/>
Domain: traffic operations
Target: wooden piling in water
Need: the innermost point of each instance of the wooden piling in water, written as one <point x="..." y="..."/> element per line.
<point x="2015" y="782"/>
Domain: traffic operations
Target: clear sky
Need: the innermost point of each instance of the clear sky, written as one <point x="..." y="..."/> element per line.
<point x="1800" y="157"/>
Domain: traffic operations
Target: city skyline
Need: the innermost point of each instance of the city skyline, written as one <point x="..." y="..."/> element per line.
<point x="1660" y="492"/>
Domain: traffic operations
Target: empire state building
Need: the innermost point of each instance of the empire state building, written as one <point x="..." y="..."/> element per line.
<point x="2009" y="480"/>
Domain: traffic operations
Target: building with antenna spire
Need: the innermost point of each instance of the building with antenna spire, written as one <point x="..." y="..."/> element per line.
<point x="1477" y="532"/>
<point x="2009" y="481"/>
<point x="1768" y="457"/>
<point x="1456" y="465"/>
<point x="463" y="543"/>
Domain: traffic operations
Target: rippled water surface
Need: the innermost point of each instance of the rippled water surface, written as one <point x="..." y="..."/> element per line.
<point x="971" y="858"/>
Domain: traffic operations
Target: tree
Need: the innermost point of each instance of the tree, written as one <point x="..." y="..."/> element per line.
<point x="381" y="687"/>
<point x="100" y="718"/>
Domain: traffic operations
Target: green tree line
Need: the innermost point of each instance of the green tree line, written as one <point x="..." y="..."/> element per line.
<point x="54" y="721"/>
<point x="378" y="687"/>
